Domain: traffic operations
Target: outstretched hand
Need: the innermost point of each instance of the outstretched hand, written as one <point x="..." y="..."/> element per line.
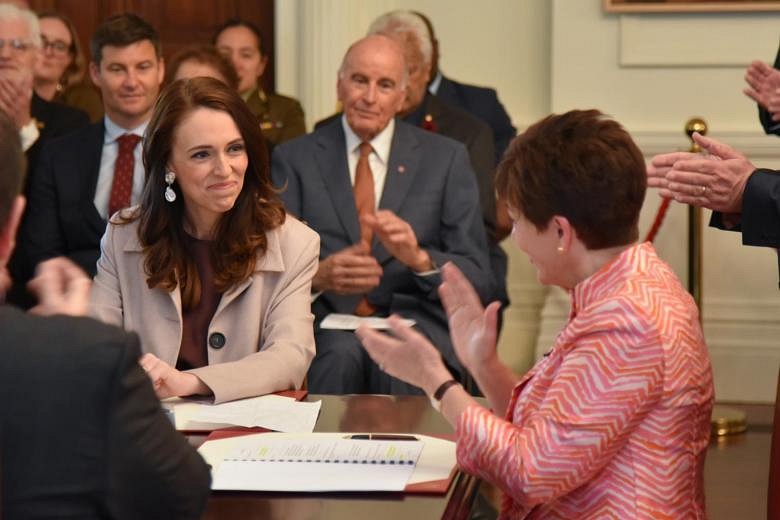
<point x="168" y="381"/>
<point x="399" y="238"/>
<point x="407" y="355"/>
<point x="715" y="179"/>
<point x="473" y="329"/>
<point x="764" y="87"/>
<point x="61" y="287"/>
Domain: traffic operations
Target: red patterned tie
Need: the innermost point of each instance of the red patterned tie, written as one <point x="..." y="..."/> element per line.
<point x="365" y="203"/>
<point x="122" y="187"/>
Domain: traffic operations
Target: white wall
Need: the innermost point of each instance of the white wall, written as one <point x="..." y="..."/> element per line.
<point x="651" y="72"/>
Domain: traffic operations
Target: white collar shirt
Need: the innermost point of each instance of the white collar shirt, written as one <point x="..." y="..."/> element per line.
<point x="107" y="161"/>
<point x="378" y="159"/>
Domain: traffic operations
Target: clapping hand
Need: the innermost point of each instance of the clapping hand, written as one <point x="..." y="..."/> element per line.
<point x="398" y="237"/>
<point x="473" y="329"/>
<point x="61" y="287"/>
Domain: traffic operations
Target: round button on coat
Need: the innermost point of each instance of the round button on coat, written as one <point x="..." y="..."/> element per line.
<point x="217" y="340"/>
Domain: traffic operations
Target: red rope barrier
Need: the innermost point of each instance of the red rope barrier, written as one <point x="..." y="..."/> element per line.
<point x="659" y="219"/>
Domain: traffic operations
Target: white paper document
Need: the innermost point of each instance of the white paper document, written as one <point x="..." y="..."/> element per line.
<point x="435" y="463"/>
<point x="316" y="463"/>
<point x="352" y="322"/>
<point x="275" y="412"/>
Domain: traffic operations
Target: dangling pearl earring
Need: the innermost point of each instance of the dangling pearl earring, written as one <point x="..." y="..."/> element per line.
<point x="170" y="195"/>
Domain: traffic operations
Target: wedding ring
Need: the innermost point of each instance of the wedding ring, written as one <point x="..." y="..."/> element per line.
<point x="703" y="190"/>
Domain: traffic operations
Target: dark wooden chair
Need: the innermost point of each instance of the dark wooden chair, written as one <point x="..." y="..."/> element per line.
<point x="773" y="495"/>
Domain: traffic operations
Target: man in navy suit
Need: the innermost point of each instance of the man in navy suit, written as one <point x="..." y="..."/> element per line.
<point x="74" y="184"/>
<point x="383" y="259"/>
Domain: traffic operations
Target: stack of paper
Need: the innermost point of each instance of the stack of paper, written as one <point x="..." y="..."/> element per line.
<point x="320" y="462"/>
<point x="243" y="461"/>
<point x="278" y="413"/>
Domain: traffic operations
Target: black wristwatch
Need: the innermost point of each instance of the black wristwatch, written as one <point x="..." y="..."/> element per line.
<point x="438" y="395"/>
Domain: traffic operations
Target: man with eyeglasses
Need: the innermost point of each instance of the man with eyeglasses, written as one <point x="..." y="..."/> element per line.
<point x="36" y="119"/>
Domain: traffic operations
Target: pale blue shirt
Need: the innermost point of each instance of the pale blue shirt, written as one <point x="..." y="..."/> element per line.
<point x="107" y="160"/>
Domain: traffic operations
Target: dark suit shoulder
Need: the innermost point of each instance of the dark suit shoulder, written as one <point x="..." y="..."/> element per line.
<point x="456" y="122"/>
<point x="79" y="139"/>
<point x="55" y="119"/>
<point x="61" y="337"/>
<point x="465" y="92"/>
<point x="430" y="140"/>
<point x="327" y="120"/>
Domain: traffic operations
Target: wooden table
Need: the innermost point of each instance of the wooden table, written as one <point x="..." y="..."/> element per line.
<point x="369" y="413"/>
<point x="735" y="473"/>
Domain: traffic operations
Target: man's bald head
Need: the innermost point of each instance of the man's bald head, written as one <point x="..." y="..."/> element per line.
<point x="371" y="84"/>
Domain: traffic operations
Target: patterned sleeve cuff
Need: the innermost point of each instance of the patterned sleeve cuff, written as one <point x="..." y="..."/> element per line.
<point x="472" y="434"/>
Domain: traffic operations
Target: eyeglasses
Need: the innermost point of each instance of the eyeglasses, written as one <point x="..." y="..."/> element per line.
<point x="17" y="45"/>
<point x="58" y="46"/>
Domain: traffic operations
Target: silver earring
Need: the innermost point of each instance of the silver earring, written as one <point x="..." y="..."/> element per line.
<point x="170" y="195"/>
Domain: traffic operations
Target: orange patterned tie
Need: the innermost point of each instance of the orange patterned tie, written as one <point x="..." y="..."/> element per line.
<point x="122" y="187"/>
<point x="365" y="203"/>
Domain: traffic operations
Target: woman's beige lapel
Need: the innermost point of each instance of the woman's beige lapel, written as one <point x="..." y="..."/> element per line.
<point x="266" y="320"/>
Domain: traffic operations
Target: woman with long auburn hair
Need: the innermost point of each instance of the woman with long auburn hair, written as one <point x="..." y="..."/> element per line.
<point x="208" y="269"/>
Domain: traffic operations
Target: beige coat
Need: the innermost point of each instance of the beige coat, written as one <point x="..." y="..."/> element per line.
<point x="266" y="320"/>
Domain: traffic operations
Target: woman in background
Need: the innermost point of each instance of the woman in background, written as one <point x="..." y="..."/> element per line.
<point x="60" y="68"/>
<point x="201" y="61"/>
<point x="614" y="421"/>
<point x="209" y="270"/>
<point x="281" y="117"/>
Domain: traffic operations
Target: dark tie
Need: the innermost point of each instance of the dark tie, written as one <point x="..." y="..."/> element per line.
<point x="122" y="187"/>
<point x="364" y="202"/>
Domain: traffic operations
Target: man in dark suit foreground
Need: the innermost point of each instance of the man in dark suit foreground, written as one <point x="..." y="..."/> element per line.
<point x="415" y="207"/>
<point x="82" y="434"/>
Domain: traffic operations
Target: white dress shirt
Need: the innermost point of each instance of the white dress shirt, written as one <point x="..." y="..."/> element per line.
<point x="107" y="160"/>
<point x="378" y="158"/>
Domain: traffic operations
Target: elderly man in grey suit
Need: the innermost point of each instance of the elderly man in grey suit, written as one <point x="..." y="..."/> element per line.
<point x="391" y="203"/>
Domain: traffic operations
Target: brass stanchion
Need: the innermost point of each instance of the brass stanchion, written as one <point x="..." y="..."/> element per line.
<point x="725" y="420"/>
<point x="694" y="224"/>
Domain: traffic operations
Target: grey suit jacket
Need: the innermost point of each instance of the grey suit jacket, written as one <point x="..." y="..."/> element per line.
<point x="429" y="184"/>
<point x="266" y="320"/>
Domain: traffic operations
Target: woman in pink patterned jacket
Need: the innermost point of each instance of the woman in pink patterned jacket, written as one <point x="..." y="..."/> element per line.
<point x="614" y="421"/>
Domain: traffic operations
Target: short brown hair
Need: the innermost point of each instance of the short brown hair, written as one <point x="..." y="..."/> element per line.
<point x="580" y="165"/>
<point x="12" y="167"/>
<point x="206" y="55"/>
<point x="241" y="232"/>
<point x="122" y="30"/>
